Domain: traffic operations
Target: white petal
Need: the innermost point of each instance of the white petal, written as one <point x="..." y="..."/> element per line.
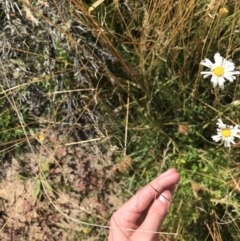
<point x="206" y="62"/>
<point x="234" y="72"/>
<point x="206" y="75"/>
<point x="206" y="72"/>
<point x="220" y="124"/>
<point x="229" y="66"/>
<point x="221" y="82"/>
<point x="215" y="66"/>
<point x="214" y="80"/>
<point x="218" y="59"/>
<point x="226" y="143"/>
<point x="216" y="138"/>
<point x="229" y="77"/>
<point x="217" y="56"/>
<point x="233" y="142"/>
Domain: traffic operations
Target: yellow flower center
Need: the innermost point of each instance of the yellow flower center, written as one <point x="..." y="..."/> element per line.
<point x="218" y="71"/>
<point x="226" y="132"/>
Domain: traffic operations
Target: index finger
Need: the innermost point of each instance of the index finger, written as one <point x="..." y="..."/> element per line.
<point x="143" y="198"/>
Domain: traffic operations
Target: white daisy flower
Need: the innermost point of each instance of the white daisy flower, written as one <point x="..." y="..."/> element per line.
<point x="222" y="69"/>
<point x="226" y="133"/>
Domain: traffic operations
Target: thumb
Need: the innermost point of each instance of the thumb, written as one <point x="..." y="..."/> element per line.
<point x="155" y="217"/>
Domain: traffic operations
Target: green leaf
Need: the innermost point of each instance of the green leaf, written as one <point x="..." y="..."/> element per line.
<point x="37" y="188"/>
<point x="47" y="187"/>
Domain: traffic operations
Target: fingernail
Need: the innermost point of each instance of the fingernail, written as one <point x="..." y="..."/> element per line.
<point x="163" y="198"/>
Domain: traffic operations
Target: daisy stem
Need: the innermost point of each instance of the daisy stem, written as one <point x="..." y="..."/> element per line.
<point x="216" y="100"/>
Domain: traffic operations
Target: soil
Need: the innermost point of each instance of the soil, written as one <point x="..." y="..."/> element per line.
<point x="47" y="194"/>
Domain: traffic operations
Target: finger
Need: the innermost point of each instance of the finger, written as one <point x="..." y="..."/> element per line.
<point x="119" y="230"/>
<point x="171" y="170"/>
<point x="133" y="209"/>
<point x="154" y="219"/>
<point x="145" y="196"/>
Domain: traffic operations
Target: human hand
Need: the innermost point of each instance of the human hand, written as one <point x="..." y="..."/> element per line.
<point x="141" y="217"/>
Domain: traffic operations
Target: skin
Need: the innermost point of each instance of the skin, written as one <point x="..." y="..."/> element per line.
<point x="145" y="211"/>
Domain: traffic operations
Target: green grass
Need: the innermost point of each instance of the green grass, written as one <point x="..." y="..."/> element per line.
<point x="136" y="65"/>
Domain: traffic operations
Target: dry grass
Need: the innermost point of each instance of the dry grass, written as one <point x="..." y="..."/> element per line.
<point x="89" y="96"/>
